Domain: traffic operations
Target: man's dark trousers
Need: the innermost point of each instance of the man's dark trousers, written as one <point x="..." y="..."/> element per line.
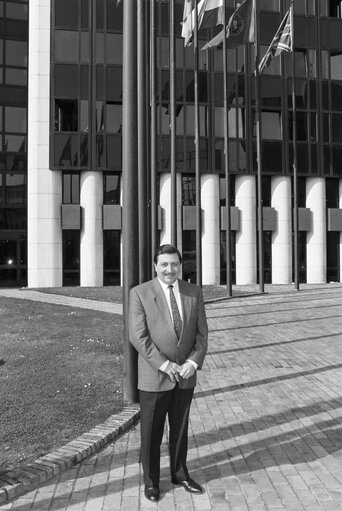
<point x="154" y="407"/>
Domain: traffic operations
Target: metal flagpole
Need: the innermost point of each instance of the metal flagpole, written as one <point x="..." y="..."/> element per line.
<point x="294" y="139"/>
<point x="259" y="154"/>
<point x="130" y="242"/>
<point x="153" y="100"/>
<point x="172" y="114"/>
<point x="142" y="141"/>
<point x="226" y="160"/>
<point x="197" y="157"/>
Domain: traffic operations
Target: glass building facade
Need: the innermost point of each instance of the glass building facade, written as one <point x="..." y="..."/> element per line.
<point x="84" y="147"/>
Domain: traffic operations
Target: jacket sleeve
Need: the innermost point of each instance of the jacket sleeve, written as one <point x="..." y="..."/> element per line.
<point x="200" y="346"/>
<point x="139" y="334"/>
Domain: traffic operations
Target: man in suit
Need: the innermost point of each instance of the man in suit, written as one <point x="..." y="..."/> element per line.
<point x="168" y="327"/>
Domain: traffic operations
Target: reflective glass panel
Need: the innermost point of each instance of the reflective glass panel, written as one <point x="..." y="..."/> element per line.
<point x="15" y="189"/>
<point x="16" y="53"/>
<point x="66" y="115"/>
<point x="113" y="118"/>
<point x="66" y="13"/>
<point x="271" y="125"/>
<point x="16" y="77"/>
<point x="13" y="218"/>
<point x="8" y="252"/>
<point x="111" y="193"/>
<point x="15" y="119"/>
<point x="71" y="188"/>
<point x="114" y="150"/>
<point x="336" y="128"/>
<point x="111" y="257"/>
<point x="16" y="11"/>
<point x="15" y="143"/>
<point x="336" y="67"/>
<point x="114" y="48"/>
<point x="66" y="46"/>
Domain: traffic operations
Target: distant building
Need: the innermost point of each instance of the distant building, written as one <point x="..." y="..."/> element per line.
<point x="60" y="147"/>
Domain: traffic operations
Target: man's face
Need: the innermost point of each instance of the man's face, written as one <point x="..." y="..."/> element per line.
<point x="168" y="268"/>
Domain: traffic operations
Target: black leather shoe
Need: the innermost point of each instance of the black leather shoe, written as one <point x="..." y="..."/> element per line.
<point x="189" y="485"/>
<point x="152" y="493"/>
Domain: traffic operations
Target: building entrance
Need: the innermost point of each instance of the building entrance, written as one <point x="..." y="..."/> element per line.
<point x="13" y="259"/>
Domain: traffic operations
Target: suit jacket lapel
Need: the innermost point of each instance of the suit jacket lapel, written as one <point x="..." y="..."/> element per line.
<point x="161" y="303"/>
<point x="186" y="302"/>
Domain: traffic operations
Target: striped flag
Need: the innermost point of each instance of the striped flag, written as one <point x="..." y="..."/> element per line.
<point x="240" y="28"/>
<point x="210" y="14"/>
<point x="282" y="41"/>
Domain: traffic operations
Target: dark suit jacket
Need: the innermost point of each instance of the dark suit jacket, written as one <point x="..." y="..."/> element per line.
<point x="152" y="334"/>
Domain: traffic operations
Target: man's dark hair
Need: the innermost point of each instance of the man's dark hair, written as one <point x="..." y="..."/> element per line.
<point x="166" y="249"/>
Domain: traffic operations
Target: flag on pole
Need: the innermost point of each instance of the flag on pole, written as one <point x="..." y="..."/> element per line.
<point x="240" y="28"/>
<point x="210" y="14"/>
<point x="282" y="41"/>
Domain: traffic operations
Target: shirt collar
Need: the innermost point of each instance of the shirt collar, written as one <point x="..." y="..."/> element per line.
<point x="166" y="286"/>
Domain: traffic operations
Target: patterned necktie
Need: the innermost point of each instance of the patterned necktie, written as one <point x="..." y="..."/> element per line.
<point x="177" y="320"/>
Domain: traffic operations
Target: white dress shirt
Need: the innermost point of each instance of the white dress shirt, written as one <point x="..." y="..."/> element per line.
<point x="166" y="291"/>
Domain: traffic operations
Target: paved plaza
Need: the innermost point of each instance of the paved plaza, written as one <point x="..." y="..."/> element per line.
<point x="266" y="422"/>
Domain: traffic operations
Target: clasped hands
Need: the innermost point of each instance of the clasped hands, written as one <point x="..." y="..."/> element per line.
<point x="174" y="371"/>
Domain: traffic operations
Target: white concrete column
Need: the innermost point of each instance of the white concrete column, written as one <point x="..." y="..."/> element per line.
<point x="282" y="236"/>
<point x="340" y="206"/>
<point x="246" y="251"/>
<point x="210" y="204"/>
<point x="316" y="248"/>
<point x="165" y="203"/>
<point x="44" y="186"/>
<point x="91" y="199"/>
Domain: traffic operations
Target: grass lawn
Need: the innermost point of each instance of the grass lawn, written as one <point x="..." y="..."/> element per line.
<point x="60" y="375"/>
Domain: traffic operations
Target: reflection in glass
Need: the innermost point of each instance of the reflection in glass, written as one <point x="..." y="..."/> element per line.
<point x="65" y="151"/>
<point x="15" y="143"/>
<point x="113" y="118"/>
<point x="71" y="188"/>
<point x="336" y="128"/>
<point x="111" y="188"/>
<point x="271" y="125"/>
<point x="99" y="116"/>
<point x="8" y="252"/>
<point x="15" y="189"/>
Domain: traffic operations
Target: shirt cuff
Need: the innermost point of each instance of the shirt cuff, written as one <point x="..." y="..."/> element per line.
<point x="192" y="363"/>
<point x="163" y="366"/>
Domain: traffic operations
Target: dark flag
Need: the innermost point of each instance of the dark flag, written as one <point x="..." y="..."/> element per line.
<point x="240" y="28"/>
<point x="282" y="41"/>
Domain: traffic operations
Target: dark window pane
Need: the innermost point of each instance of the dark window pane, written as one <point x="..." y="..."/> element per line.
<point x="114" y="84"/>
<point x="16" y="53"/>
<point x="13" y="218"/>
<point x="15" y="190"/>
<point x="100" y="154"/>
<point x="15" y="119"/>
<point x="66" y="81"/>
<point x="85" y="5"/>
<point x="66" y="46"/>
<point x="188" y="190"/>
<point x="114" y="152"/>
<point x="114" y="16"/>
<point x="100" y="15"/>
<point x="99" y="48"/>
<point x="337" y="160"/>
<point x="66" y="115"/>
<point x="71" y="258"/>
<point x="16" y="77"/>
<point x="8" y="252"/>
<point x="271" y="157"/>
<point x="111" y="257"/>
<point x="85" y="47"/>
<point x="336" y="96"/>
<point x="336" y="128"/>
<point x="65" y="151"/>
<point x="189" y="256"/>
<point x="66" y="13"/>
<point x="100" y="84"/>
<point x="85" y="81"/>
